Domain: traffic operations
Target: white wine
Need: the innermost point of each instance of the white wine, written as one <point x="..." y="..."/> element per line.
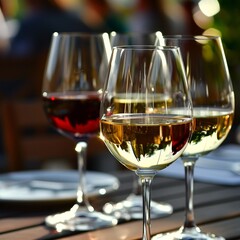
<point x="211" y="127"/>
<point x="146" y="140"/>
<point x="137" y="103"/>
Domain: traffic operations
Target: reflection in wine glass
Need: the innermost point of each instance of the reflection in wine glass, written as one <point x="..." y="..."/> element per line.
<point x="131" y="207"/>
<point x="72" y="88"/>
<point x="146" y="112"/>
<point x="213" y="108"/>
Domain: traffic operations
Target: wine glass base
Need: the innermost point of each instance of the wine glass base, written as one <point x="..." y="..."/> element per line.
<point x="132" y="208"/>
<point x="187" y="234"/>
<point x="80" y="220"/>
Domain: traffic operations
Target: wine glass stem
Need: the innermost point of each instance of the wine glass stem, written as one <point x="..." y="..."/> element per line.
<point x="137" y="186"/>
<point x="146" y="193"/>
<point x="82" y="200"/>
<point x="189" y="185"/>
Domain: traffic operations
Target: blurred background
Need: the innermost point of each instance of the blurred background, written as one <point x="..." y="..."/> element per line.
<point x="26" y="27"/>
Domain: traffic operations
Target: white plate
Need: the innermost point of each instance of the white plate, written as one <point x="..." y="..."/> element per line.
<point x="53" y="185"/>
<point x="216" y="167"/>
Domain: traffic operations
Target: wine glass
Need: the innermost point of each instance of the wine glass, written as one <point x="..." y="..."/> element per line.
<point x="131" y="207"/>
<point x="213" y="109"/>
<point x="72" y="86"/>
<point x="146" y="112"/>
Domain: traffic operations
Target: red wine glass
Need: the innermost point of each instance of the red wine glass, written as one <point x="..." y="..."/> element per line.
<point x="72" y="87"/>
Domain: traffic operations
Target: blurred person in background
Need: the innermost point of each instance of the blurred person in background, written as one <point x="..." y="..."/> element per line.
<point x="41" y="20"/>
<point x="23" y="64"/>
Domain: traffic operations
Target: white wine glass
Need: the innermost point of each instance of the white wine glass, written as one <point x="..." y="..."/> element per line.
<point x="213" y="110"/>
<point x="131" y="207"/>
<point x="72" y="87"/>
<point x="146" y="112"/>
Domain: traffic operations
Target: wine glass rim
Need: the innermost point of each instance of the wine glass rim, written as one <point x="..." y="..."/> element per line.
<point x="189" y="37"/>
<point x="132" y="33"/>
<point x="145" y="47"/>
<point x="77" y="34"/>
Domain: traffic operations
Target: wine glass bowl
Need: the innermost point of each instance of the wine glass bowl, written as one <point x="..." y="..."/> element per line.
<point x="146" y="112"/>
<point x="213" y="111"/>
<point x="72" y="87"/>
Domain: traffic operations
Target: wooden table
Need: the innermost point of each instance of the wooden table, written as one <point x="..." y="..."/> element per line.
<point x="217" y="210"/>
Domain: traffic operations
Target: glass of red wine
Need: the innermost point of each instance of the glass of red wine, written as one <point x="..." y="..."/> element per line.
<point x="72" y="87"/>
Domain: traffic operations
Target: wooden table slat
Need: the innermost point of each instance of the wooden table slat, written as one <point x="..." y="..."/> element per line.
<point x="217" y="210"/>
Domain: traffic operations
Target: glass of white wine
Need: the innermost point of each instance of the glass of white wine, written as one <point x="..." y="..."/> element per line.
<point x="131" y="207"/>
<point x="146" y="112"/>
<point x="213" y="109"/>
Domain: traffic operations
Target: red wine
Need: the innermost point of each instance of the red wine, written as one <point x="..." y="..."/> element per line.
<point x="75" y="115"/>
